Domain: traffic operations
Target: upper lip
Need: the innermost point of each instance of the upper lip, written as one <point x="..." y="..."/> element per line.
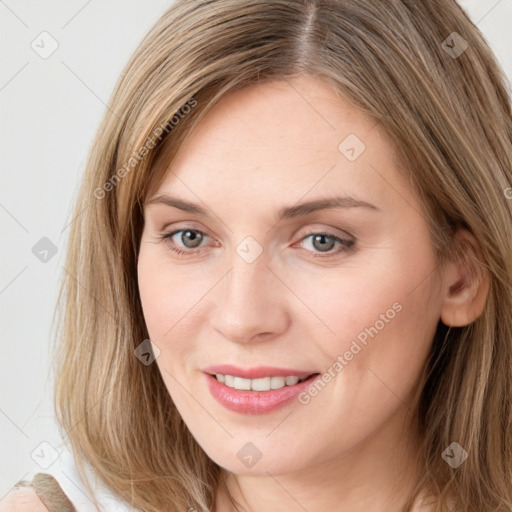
<point x="256" y="372"/>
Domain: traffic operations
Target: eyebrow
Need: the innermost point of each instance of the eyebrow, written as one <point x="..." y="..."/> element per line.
<point x="287" y="212"/>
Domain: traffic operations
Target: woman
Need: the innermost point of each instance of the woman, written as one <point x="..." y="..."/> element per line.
<point x="213" y="354"/>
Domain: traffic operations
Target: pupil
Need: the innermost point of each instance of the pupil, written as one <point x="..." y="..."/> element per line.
<point x="196" y="238"/>
<point x="322" y="237"/>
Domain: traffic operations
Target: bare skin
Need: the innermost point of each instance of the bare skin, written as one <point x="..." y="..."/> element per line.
<point x="261" y="149"/>
<point x="22" y="499"/>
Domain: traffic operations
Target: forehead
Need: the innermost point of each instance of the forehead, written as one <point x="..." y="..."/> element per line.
<point x="276" y="141"/>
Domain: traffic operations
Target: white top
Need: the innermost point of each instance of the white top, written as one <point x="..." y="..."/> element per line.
<point x="64" y="470"/>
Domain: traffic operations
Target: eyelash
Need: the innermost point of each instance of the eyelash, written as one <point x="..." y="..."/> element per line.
<point x="346" y="244"/>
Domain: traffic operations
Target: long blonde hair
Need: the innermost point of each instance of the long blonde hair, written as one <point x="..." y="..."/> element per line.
<point x="447" y="108"/>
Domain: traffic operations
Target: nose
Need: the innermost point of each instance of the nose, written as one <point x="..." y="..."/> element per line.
<point x="252" y="302"/>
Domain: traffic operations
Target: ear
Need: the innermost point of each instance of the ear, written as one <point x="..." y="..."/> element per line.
<point x="466" y="282"/>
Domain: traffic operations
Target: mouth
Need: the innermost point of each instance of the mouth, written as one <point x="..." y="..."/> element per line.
<point x="260" y="378"/>
<point x="261" y="384"/>
<point x="265" y="392"/>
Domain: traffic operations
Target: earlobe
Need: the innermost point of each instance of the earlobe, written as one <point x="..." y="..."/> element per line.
<point x="466" y="282"/>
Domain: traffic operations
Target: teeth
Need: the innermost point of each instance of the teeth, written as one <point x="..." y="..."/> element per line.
<point x="263" y="384"/>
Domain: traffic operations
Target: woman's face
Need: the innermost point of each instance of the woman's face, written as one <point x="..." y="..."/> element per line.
<point x="348" y="292"/>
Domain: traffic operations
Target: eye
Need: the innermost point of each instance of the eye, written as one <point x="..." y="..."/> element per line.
<point x="191" y="239"/>
<point x="319" y="243"/>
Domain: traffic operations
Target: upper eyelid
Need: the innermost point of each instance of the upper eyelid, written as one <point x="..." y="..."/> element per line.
<point x="172" y="227"/>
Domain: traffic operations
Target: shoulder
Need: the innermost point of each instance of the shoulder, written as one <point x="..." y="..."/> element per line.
<point x="22" y="498"/>
<point x="42" y="494"/>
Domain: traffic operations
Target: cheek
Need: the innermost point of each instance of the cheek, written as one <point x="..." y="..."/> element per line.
<point x="380" y="314"/>
<point x="350" y="301"/>
<point x="166" y="294"/>
<point x="157" y="300"/>
<point x="382" y="333"/>
<point x="172" y="297"/>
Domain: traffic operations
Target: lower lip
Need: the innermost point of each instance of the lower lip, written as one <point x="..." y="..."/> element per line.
<point x="256" y="402"/>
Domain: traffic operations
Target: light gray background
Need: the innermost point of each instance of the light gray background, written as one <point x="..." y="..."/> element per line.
<point x="50" y="110"/>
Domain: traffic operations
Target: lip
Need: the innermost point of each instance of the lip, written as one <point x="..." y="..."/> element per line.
<point x="257" y="372"/>
<point x="256" y="402"/>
